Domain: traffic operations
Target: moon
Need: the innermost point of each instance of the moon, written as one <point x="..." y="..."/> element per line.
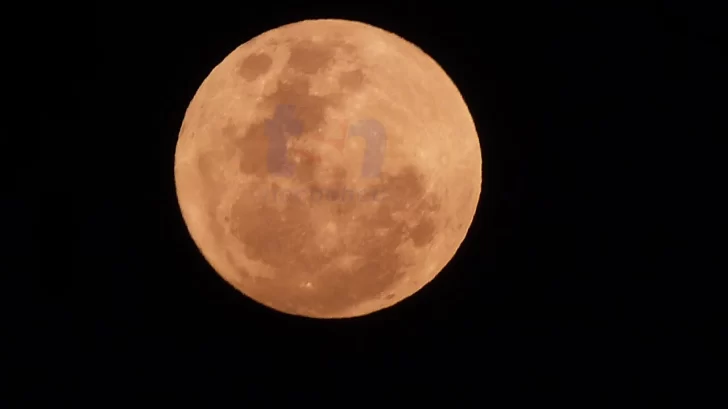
<point x="328" y="169"/>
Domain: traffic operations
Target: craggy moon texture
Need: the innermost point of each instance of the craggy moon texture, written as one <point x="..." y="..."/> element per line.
<point x="329" y="257"/>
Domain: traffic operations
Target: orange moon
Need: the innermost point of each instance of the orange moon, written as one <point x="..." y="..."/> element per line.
<point x="328" y="169"/>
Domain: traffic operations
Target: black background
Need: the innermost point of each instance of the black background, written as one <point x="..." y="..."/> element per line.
<point x="589" y="265"/>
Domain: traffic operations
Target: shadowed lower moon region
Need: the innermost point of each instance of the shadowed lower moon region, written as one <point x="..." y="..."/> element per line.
<point x="328" y="169"/>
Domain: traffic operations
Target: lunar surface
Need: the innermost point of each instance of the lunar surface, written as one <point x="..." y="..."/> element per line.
<point x="328" y="169"/>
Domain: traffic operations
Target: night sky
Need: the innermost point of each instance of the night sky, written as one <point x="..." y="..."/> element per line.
<point x="590" y="264"/>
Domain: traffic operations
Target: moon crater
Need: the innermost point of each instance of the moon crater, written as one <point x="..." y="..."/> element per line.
<point x="254" y="66"/>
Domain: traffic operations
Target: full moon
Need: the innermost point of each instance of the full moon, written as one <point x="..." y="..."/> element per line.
<point x="328" y="169"/>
